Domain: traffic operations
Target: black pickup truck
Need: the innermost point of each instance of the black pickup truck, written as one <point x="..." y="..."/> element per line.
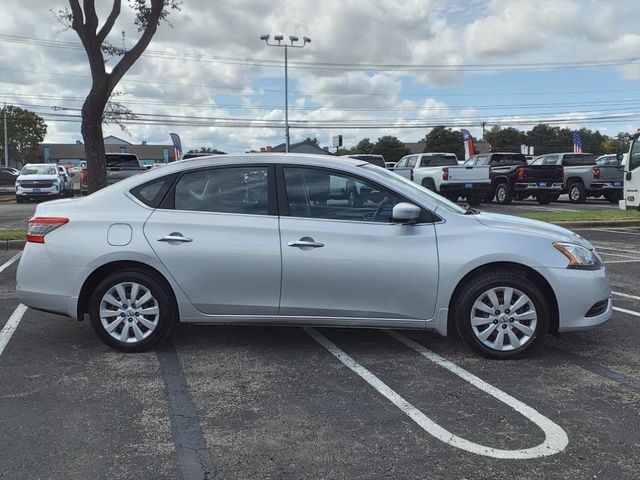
<point x="511" y="178"/>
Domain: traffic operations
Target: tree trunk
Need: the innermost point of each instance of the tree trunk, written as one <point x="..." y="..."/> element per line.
<point x="93" y="137"/>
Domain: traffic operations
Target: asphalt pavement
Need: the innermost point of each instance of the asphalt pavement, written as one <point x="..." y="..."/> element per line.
<point x="277" y="403"/>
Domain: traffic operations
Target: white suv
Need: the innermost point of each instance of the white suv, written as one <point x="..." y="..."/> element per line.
<point x="39" y="180"/>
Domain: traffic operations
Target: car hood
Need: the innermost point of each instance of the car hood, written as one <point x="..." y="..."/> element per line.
<point x="534" y="227"/>
<point x="38" y="177"/>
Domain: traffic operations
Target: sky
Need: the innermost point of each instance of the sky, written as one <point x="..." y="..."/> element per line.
<point x="398" y="67"/>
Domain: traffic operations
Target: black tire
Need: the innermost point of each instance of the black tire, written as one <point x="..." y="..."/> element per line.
<point x="488" y="198"/>
<point x="544" y="198"/>
<point x="452" y="196"/>
<point x="504" y="195"/>
<point x="161" y="292"/>
<point x="429" y="183"/>
<point x="577" y="192"/>
<point x="613" y="197"/>
<point x="474" y="288"/>
<point x="19" y="199"/>
<point x="474" y="200"/>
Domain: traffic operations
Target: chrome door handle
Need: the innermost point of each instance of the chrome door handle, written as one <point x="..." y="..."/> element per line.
<point x="175" y="238"/>
<point x="306" y="242"/>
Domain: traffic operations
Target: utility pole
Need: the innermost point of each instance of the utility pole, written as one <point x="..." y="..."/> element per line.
<point x="292" y="40"/>
<point x="483" y="124"/>
<point x="6" y="141"/>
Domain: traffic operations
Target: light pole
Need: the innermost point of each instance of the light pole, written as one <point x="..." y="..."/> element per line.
<point x="292" y="39"/>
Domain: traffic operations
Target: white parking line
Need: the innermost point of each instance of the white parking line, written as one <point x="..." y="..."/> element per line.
<point x="626" y="295"/>
<point x="628" y="312"/>
<point x="555" y="437"/>
<point x="610" y="230"/>
<point x="11" y="325"/>
<point x="10" y="261"/>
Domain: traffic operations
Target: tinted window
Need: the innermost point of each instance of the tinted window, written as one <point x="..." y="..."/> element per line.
<point x="634" y="157"/>
<point x="122" y="161"/>
<point x="574" y="159"/>
<point x="482" y="160"/>
<point x="39" y="169"/>
<point x="438" y="161"/>
<point x="225" y="190"/>
<point x="151" y="193"/>
<point x="538" y="161"/>
<point x="411" y="162"/>
<point x="508" y="159"/>
<point x="316" y="193"/>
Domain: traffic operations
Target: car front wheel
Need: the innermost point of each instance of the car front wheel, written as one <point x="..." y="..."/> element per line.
<point x="132" y="310"/>
<point x="501" y="314"/>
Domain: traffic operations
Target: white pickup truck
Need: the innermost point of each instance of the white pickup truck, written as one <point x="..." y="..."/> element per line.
<point x="630" y="162"/>
<point x="441" y="173"/>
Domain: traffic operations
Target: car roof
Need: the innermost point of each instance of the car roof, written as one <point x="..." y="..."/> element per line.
<point x="291" y="158"/>
<point x="435" y="153"/>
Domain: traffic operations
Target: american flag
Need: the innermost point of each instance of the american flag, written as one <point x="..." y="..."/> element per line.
<point x="577" y="142"/>
<point x="177" y="145"/>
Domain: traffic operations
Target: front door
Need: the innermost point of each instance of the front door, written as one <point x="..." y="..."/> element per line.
<point x="348" y="259"/>
<point x="218" y="237"/>
<point x="632" y="177"/>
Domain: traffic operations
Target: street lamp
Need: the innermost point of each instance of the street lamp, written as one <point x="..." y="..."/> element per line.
<point x="292" y="44"/>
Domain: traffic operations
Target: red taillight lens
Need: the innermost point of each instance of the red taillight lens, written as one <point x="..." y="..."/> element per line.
<point x="38" y="227"/>
<point x="596" y="172"/>
<point x="445" y="173"/>
<point x="520" y="174"/>
<point x="85" y="176"/>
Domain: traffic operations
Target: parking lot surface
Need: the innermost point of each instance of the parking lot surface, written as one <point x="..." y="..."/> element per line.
<point x="294" y="403"/>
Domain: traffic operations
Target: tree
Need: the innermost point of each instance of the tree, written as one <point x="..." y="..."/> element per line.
<point x="441" y="139"/>
<point x="312" y="141"/>
<point x="211" y="150"/>
<point x="364" y="146"/>
<point x="25" y="131"/>
<point x="390" y="148"/>
<point x="84" y="21"/>
<point x="505" y="139"/>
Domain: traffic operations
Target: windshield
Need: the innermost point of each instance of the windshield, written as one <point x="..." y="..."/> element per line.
<point x="39" y="169"/>
<point x="404" y="184"/>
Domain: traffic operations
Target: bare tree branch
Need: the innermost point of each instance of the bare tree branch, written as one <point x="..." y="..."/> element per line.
<point x="111" y="20"/>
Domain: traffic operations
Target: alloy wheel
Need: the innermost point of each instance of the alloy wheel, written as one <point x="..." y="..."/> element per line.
<point x="129" y="312"/>
<point x="503" y="318"/>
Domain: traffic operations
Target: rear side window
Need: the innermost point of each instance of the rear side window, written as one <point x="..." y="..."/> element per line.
<point x="412" y="161"/>
<point x="152" y="193"/>
<point x="439" y="161"/>
<point x="374" y="159"/>
<point x="508" y="159"/>
<point x="573" y="159"/>
<point x="122" y="161"/>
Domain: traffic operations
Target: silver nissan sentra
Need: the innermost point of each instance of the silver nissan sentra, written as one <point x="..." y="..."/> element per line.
<point x="304" y="240"/>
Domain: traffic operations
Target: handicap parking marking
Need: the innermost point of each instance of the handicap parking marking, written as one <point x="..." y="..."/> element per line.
<point x="556" y="439"/>
<point x="10" y="327"/>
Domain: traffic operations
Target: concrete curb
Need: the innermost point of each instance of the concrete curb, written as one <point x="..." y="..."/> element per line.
<point x="12" y="244"/>
<point x="599" y="223"/>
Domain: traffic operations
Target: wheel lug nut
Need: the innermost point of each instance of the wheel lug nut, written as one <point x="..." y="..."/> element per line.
<point x="122" y="314"/>
<point x="497" y="312"/>
<point x="495" y="321"/>
<point x="124" y="306"/>
<point x="506" y="311"/>
<point x="138" y="314"/>
<point x="511" y="320"/>
<point x="133" y="305"/>
<point x="130" y="319"/>
<point x="504" y="325"/>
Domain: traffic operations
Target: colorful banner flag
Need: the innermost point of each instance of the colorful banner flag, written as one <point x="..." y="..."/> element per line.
<point x="177" y="145"/>
<point x="468" y="144"/>
<point x="577" y="142"/>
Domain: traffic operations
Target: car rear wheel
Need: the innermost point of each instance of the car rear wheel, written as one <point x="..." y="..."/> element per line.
<point x="577" y="192"/>
<point x="546" y="198"/>
<point x="474" y="200"/>
<point x="501" y="314"/>
<point x="132" y="310"/>
<point x="613" y="197"/>
<point x="504" y="196"/>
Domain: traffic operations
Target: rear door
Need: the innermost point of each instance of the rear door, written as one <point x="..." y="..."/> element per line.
<point x="352" y="262"/>
<point x="217" y="233"/>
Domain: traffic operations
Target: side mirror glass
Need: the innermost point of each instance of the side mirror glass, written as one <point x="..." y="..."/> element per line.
<point x="620" y="149"/>
<point x="628" y="176"/>
<point x="405" y="212"/>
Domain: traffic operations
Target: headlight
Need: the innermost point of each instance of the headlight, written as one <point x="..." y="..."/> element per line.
<point x="580" y="257"/>
<point x="18" y="182"/>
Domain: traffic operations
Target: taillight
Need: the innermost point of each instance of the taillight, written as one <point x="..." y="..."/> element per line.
<point x="596" y="172"/>
<point x="85" y="176"/>
<point x="38" y="227"/>
<point x="520" y="173"/>
<point x="445" y="173"/>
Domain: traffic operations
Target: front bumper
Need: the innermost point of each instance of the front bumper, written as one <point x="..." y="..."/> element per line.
<point x="576" y="292"/>
<point x="26" y="192"/>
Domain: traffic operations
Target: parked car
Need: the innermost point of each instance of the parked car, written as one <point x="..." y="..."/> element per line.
<point x="66" y="182"/>
<point x="8" y="176"/>
<point x="37" y="181"/>
<point x="512" y="177"/>
<point x="119" y="166"/>
<point x="368" y="157"/>
<point x="609" y="160"/>
<point x="390" y="165"/>
<point x="584" y="178"/>
<point x="440" y="173"/>
<point x="245" y="242"/>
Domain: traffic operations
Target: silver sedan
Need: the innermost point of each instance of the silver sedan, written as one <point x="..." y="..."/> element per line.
<point x="304" y="240"/>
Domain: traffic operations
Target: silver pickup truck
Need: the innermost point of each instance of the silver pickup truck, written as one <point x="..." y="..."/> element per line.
<point x="583" y="177"/>
<point x="441" y="173"/>
<point x="119" y="166"/>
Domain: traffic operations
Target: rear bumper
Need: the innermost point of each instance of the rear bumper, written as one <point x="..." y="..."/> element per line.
<point x="609" y="186"/>
<point x="543" y="186"/>
<point x="470" y="188"/>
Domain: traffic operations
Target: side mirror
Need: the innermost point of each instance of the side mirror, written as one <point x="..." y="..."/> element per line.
<point x="406" y="213"/>
<point x="628" y="176"/>
<point x="620" y="150"/>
